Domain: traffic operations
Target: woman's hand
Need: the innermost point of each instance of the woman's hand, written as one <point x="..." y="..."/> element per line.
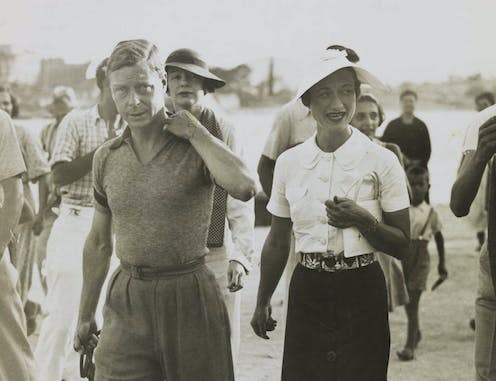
<point x="262" y="321"/>
<point x="343" y="213"/>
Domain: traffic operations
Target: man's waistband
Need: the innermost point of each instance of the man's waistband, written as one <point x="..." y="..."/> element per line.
<point x="334" y="262"/>
<point x="148" y="272"/>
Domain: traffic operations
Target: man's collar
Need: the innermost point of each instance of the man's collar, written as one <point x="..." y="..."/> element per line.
<point x="124" y="137"/>
<point x="348" y="155"/>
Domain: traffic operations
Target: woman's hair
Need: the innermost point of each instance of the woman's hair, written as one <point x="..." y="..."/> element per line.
<point x="13" y="100"/>
<point x="351" y="56"/>
<point x="485" y="95"/>
<point x="370" y="98"/>
<point x="132" y="52"/>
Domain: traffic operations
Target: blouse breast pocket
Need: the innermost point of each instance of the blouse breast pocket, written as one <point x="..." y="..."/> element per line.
<point x="368" y="188"/>
<point x="298" y="202"/>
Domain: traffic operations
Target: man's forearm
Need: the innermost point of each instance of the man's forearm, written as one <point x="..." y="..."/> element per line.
<point x="67" y="172"/>
<point x="266" y="173"/>
<point x="274" y="259"/>
<point x="43" y="193"/>
<point x="10" y="212"/>
<point x="467" y="184"/>
<point x="227" y="169"/>
<point x="96" y="263"/>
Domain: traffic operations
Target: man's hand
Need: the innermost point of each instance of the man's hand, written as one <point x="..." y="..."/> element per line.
<point x="343" y="213"/>
<point x="443" y="273"/>
<point x="183" y="124"/>
<point x="85" y="339"/>
<point x="262" y="321"/>
<point x="486" y="146"/>
<point x="235" y="274"/>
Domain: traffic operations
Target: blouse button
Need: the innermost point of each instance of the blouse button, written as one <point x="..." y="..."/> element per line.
<point x="323" y="241"/>
<point x="331" y="356"/>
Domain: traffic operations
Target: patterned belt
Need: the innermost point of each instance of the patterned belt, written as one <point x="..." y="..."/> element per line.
<point x="331" y="262"/>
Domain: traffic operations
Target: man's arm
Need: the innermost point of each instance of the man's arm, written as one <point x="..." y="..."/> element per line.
<point x="96" y="263"/>
<point x="66" y="172"/>
<point x="266" y="173"/>
<point x="10" y="210"/>
<point x="427" y="142"/>
<point x="472" y="168"/>
<point x="439" y="238"/>
<point x="227" y="169"/>
<point x="274" y="257"/>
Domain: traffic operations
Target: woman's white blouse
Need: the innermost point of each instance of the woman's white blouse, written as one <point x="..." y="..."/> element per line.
<point x="305" y="177"/>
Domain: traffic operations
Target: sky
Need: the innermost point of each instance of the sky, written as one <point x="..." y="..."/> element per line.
<point x="422" y="40"/>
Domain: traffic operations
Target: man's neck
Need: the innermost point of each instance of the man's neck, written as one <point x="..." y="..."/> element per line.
<point x="407" y="118"/>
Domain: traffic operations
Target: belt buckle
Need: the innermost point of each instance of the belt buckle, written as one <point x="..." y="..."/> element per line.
<point x="140" y="271"/>
<point x="75" y="211"/>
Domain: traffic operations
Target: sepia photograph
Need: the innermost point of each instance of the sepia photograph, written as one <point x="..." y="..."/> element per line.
<point x="247" y="190"/>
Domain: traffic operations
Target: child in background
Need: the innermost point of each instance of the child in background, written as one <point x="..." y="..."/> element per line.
<point x="424" y="223"/>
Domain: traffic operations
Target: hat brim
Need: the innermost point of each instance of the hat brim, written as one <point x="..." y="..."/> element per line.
<point x="325" y="68"/>
<point x="199" y="71"/>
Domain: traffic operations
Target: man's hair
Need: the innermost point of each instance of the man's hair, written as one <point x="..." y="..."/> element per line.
<point x="486" y="95"/>
<point x="101" y="73"/>
<point x="408" y="92"/>
<point x="418" y="170"/>
<point x="132" y="52"/>
<point x="372" y="99"/>
<point x="13" y="100"/>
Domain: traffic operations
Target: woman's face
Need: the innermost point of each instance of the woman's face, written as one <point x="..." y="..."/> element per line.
<point x="366" y="118"/>
<point x="6" y="102"/>
<point x="333" y="100"/>
<point x="138" y="93"/>
<point x="185" y="88"/>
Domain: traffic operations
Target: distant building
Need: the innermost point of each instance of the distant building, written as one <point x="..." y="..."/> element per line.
<point x="7" y="58"/>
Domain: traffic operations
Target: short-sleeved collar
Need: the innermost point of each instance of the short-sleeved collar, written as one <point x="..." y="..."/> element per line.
<point x="125" y="137"/>
<point x="348" y="155"/>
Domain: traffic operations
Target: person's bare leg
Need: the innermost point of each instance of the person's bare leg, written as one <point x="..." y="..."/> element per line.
<point x="413" y="331"/>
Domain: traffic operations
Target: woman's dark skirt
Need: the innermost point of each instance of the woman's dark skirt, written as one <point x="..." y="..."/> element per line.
<point x="337" y="326"/>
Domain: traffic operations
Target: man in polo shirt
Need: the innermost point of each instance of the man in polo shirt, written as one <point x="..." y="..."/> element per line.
<point x="16" y="358"/>
<point x="164" y="316"/>
<point x="79" y="134"/>
<point x="478" y="153"/>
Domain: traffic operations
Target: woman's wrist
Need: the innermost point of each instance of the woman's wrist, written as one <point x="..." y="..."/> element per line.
<point x="368" y="224"/>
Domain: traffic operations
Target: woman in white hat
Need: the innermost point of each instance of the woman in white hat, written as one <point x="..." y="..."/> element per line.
<point x="345" y="198"/>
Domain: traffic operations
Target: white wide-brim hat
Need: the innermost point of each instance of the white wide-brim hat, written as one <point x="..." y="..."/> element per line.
<point x="331" y="61"/>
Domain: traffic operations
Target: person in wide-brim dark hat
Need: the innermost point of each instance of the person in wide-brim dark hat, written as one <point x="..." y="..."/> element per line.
<point x="191" y="61"/>
<point x="188" y="79"/>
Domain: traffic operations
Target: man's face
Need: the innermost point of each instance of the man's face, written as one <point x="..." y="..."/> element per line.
<point x="60" y="107"/>
<point x="333" y="100"/>
<point x="366" y="118"/>
<point x="6" y="102"/>
<point x="482" y="104"/>
<point x="138" y="93"/>
<point x="408" y="104"/>
<point x="184" y="87"/>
